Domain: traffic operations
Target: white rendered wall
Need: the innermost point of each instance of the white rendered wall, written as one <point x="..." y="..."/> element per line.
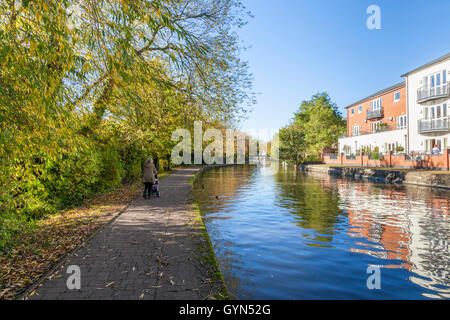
<point x="415" y="110"/>
<point x="374" y="140"/>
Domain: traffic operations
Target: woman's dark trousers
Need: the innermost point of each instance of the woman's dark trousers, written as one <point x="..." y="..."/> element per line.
<point x="148" y="190"/>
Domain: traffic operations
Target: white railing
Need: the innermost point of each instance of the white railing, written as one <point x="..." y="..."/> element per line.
<point x="428" y="93"/>
<point x="434" y="125"/>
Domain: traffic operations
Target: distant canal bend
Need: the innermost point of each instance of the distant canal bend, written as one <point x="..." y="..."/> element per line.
<point x="310" y="236"/>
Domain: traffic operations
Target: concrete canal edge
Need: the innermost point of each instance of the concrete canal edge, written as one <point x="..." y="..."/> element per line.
<point x="208" y="256"/>
<point x="432" y="179"/>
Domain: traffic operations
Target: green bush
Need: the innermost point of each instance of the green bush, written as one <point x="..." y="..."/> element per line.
<point x="75" y="177"/>
<point x="40" y="178"/>
<point x="11" y="225"/>
<point x="375" y="156"/>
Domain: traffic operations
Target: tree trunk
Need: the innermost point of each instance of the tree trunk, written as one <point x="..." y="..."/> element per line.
<point x="100" y="104"/>
<point x="169" y="163"/>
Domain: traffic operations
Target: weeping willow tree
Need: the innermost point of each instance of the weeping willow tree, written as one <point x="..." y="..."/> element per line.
<point x="88" y="88"/>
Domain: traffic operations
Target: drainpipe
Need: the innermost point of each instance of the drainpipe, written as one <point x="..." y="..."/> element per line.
<point x="406" y="144"/>
<point x="407" y="118"/>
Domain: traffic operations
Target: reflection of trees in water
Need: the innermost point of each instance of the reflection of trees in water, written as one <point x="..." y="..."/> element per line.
<point x="315" y="204"/>
<point x="213" y="190"/>
<point x="232" y="265"/>
<point x="216" y="187"/>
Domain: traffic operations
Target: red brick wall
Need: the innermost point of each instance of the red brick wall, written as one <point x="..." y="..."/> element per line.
<point x="390" y="110"/>
<point x="430" y="161"/>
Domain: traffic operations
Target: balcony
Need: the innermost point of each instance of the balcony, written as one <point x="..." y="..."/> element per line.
<point x="427" y="94"/>
<point x="384" y="128"/>
<point x="433" y="126"/>
<point x="374" y="114"/>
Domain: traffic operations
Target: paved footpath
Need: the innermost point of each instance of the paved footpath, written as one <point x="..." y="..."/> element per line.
<point x="151" y="251"/>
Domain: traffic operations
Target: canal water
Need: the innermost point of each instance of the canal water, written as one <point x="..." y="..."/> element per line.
<point x="287" y="235"/>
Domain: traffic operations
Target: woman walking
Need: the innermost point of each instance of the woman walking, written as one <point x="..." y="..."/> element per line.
<point x="149" y="177"/>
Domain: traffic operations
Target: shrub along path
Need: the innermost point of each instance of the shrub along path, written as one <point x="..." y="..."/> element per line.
<point x="155" y="249"/>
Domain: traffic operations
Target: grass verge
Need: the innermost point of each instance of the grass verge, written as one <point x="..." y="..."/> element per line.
<point x="208" y="257"/>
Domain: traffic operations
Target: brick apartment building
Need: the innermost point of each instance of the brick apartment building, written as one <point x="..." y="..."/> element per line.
<point x="377" y="122"/>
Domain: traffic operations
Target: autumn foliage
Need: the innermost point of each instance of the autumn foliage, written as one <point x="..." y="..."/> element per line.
<point x="89" y="89"/>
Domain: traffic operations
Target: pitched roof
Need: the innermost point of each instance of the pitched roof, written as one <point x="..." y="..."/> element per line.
<point x="440" y="59"/>
<point x="379" y="93"/>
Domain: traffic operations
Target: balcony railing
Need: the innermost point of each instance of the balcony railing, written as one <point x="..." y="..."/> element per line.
<point x="435" y="125"/>
<point x="363" y="133"/>
<point x="427" y="93"/>
<point x="374" y="114"/>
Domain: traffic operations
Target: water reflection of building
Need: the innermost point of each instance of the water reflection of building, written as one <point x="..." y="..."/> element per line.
<point x="408" y="224"/>
<point x="408" y="227"/>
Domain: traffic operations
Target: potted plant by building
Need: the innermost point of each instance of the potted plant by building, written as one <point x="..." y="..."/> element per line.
<point x="375" y="155"/>
<point x="399" y="150"/>
<point x="382" y="127"/>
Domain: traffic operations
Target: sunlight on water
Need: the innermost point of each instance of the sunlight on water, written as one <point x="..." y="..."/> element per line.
<point x="297" y="236"/>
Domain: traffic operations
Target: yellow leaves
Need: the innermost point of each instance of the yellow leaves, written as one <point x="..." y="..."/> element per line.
<point x="124" y="5"/>
<point x="158" y="13"/>
<point x="32" y="47"/>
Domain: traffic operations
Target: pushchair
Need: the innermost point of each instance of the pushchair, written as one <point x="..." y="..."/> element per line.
<point x="155" y="187"/>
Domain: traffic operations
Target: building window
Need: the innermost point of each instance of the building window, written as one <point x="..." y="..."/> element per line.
<point x="435" y="112"/>
<point x="360" y="109"/>
<point x="356" y="131"/>
<point x="352" y="111"/>
<point x="376" y="126"/>
<point x="397" y="96"/>
<point x="432" y="143"/>
<point x="375" y="104"/>
<point x="401" y="122"/>
<point x="435" y="79"/>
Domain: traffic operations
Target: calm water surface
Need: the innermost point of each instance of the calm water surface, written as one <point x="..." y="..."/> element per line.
<point x="297" y="236"/>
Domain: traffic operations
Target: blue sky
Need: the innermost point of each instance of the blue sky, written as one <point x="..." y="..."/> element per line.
<point x="299" y="48"/>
